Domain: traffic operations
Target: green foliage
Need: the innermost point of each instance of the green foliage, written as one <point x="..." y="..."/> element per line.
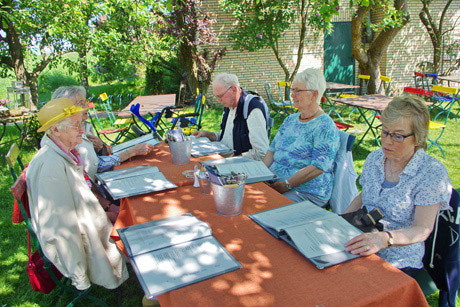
<point x="161" y="80"/>
<point x="261" y="23"/>
<point x="50" y="80"/>
<point x="126" y="39"/>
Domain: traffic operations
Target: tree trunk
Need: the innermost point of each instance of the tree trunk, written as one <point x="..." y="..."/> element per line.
<point x="369" y="59"/>
<point x="434" y="31"/>
<point x="84" y="74"/>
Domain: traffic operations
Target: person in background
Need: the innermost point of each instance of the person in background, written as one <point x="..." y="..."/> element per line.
<point x="303" y="151"/>
<point x="248" y="137"/>
<point x="70" y="224"/>
<point x="91" y="144"/>
<point x="406" y="184"/>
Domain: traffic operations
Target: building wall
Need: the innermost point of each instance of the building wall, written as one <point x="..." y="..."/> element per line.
<point x="411" y="46"/>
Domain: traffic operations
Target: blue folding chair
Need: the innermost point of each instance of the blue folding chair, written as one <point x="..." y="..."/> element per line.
<point x="442" y="259"/>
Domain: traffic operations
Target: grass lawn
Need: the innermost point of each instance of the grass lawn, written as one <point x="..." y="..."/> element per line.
<point x="15" y="289"/>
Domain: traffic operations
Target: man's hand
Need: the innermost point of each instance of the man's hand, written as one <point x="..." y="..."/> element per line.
<point x="210" y="135"/>
<point x="97" y="143"/>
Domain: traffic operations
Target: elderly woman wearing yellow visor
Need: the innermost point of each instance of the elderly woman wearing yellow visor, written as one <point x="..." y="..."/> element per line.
<point x="71" y="225"/>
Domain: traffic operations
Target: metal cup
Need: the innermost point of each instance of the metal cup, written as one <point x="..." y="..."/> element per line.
<point x="180" y="151"/>
<point x="229" y="198"/>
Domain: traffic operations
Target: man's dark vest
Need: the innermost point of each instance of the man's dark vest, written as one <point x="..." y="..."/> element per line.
<point x="240" y="127"/>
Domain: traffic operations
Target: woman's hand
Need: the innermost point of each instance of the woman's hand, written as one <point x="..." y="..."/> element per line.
<point x="97" y="142"/>
<point x="367" y="243"/>
<point x="279" y="186"/>
<point x="142" y="149"/>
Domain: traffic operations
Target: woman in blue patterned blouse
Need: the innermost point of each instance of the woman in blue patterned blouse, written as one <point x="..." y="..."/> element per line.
<point x="407" y="185"/>
<point x="303" y="151"/>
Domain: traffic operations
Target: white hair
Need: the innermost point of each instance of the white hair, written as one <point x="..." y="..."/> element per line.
<point x="313" y="79"/>
<point x="227" y="80"/>
<point x="70" y="92"/>
<point x="65" y="123"/>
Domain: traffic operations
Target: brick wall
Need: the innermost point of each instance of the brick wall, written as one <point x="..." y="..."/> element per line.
<point x="411" y="46"/>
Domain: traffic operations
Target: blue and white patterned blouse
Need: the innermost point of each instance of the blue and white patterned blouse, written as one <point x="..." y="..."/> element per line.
<point x="424" y="181"/>
<point x="297" y="145"/>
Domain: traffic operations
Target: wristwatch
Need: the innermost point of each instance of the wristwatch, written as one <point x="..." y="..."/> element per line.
<point x="390" y="239"/>
<point x="288" y="185"/>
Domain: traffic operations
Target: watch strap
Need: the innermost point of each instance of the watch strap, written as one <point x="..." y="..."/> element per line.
<point x="390" y="238"/>
<point x="288" y="185"/>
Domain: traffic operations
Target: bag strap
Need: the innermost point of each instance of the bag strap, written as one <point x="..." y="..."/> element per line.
<point x="28" y="244"/>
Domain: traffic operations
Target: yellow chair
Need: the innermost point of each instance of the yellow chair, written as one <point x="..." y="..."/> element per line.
<point x="363" y="83"/>
<point x="286" y="101"/>
<point x="385" y="83"/>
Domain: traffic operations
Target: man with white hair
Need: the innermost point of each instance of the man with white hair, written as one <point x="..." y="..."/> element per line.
<point x="243" y="131"/>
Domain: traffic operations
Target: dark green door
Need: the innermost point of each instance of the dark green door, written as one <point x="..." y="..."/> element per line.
<point x="339" y="64"/>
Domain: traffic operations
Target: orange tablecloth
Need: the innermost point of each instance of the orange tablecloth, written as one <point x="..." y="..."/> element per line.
<point x="161" y="158"/>
<point x="273" y="273"/>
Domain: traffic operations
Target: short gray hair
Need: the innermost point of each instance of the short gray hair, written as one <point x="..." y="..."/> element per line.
<point x="227" y="80"/>
<point x="313" y="79"/>
<point x="70" y="92"/>
<point x="413" y="109"/>
<point x="65" y="123"/>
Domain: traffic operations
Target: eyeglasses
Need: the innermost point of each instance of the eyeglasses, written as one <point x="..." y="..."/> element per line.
<point x="219" y="97"/>
<point x="81" y="125"/>
<point x="398" y="138"/>
<point x="296" y="90"/>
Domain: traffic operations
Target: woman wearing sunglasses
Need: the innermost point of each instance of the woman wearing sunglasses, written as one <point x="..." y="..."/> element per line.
<point x="406" y="184"/>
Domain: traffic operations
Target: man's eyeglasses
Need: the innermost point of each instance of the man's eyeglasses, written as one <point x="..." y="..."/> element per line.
<point x="219" y="97"/>
<point x="398" y="138"/>
<point x="296" y="90"/>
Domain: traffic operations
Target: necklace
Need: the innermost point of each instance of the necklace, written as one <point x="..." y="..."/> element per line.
<point x="300" y="116"/>
<point x="392" y="174"/>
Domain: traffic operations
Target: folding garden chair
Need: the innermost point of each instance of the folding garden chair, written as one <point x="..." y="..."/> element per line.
<point x="111" y="135"/>
<point x="442" y="260"/>
<point x="190" y="122"/>
<point x="275" y="106"/>
<point x="284" y="86"/>
<point x="107" y="102"/>
<point x="436" y="124"/>
<point x="385" y="83"/>
<point x="13" y="157"/>
<point x="363" y="81"/>
<point x="451" y="93"/>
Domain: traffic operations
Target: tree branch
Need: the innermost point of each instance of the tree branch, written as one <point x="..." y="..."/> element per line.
<point x="356" y="29"/>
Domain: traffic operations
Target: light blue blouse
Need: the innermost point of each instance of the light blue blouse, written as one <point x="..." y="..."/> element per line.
<point x="297" y="145"/>
<point x="423" y="182"/>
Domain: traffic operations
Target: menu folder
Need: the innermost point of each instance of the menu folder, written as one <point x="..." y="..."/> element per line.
<point x="134" y="181"/>
<point x="316" y="233"/>
<point x="174" y="252"/>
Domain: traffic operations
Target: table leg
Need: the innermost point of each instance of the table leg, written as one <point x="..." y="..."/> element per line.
<point x="370" y="127"/>
<point x="333" y="109"/>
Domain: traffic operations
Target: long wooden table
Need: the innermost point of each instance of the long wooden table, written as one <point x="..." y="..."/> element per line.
<point x="273" y="273"/>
